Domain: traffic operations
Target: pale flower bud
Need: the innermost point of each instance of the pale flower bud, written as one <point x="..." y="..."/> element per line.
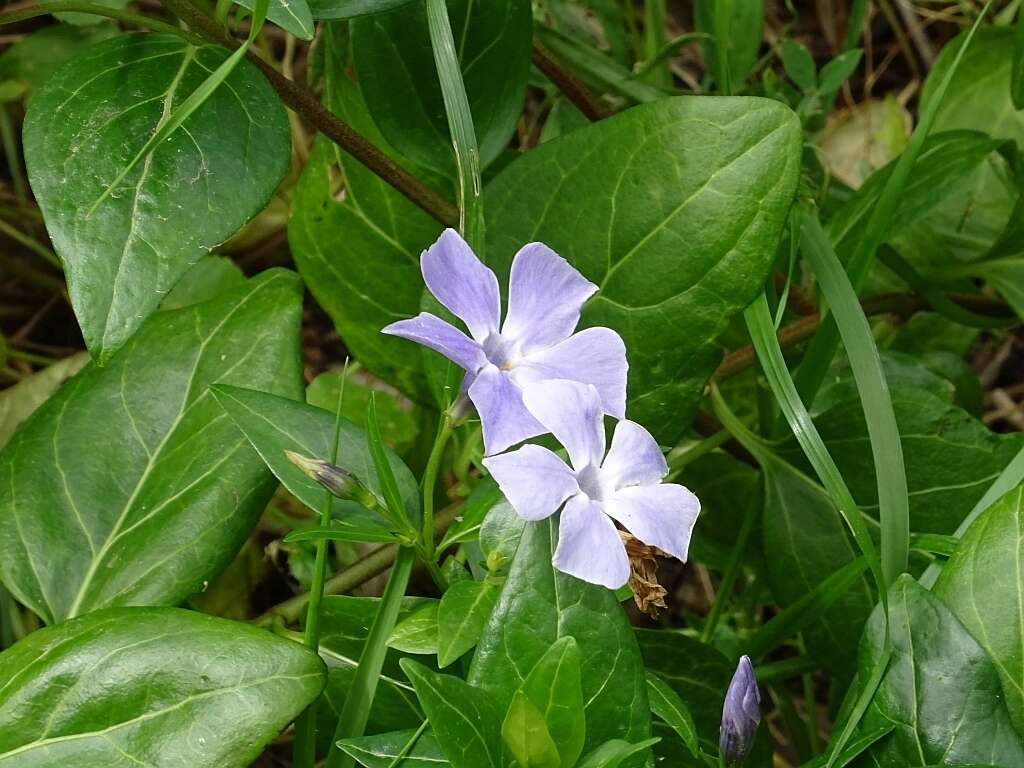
<point x="740" y="715"/>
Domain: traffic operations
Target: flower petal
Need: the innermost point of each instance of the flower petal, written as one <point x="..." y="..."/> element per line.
<point x="572" y="413"/>
<point x="660" y="516"/>
<point x="431" y="331"/>
<point x="503" y="416"/>
<point x="534" y="480"/>
<point x="545" y="296"/>
<point x="589" y="546"/>
<point x="460" y="281"/>
<point x="634" y="458"/>
<point x="593" y="356"/>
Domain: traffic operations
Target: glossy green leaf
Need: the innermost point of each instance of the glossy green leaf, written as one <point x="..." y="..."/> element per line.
<point x="676" y="253"/>
<point x="537" y="607"/>
<point x="290" y="15"/>
<point x="347" y="9"/>
<point x="666" y="704"/>
<point x="465" y="720"/>
<point x="799" y="64"/>
<point x="614" y="753"/>
<point x="553" y="688"/>
<point x="208" y="277"/>
<point x="526" y="735"/>
<point x="360" y="256"/>
<point x="805" y="542"/>
<point x="150" y="686"/>
<point x="951" y="457"/>
<point x="18" y="402"/>
<point x="275" y="425"/>
<point x="417" y="633"/>
<point x="397" y="75"/>
<point x="382" y="750"/>
<point x="461" y="617"/>
<point x="344" y="624"/>
<point x="150" y="517"/>
<point x="941" y="689"/>
<point x="398" y="418"/>
<point x="190" y="194"/>
<point x="32" y="60"/>
<point x="983" y="584"/>
<point x="367" y="531"/>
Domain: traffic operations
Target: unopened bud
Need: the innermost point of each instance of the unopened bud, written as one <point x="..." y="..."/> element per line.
<point x="338" y="481"/>
<point x="740" y="715"/>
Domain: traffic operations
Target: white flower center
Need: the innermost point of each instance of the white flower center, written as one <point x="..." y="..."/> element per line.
<point x="501" y="352"/>
<point x="592" y="482"/>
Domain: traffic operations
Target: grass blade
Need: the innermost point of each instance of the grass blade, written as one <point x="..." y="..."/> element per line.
<point x="884" y="434"/>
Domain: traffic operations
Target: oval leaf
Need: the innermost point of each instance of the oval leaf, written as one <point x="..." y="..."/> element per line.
<point x="191" y="193"/>
<point x="676" y="253"/>
<point x="150" y="686"/>
<point x="461" y="618"/>
<point x="131" y="476"/>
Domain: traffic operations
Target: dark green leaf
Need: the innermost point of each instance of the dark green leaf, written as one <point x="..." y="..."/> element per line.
<point x="190" y="194"/>
<point x="392" y="493"/>
<point x="805" y="542"/>
<point x="554" y="689"/>
<point x="35" y="58"/>
<point x="687" y="247"/>
<point x="290" y="15"/>
<point x="17" y="403"/>
<point x="397" y="417"/>
<point x="367" y="531"/>
<point x="799" y="65"/>
<point x="346" y="9"/>
<point x="468" y="524"/>
<point x="380" y="751"/>
<point x="983" y="585"/>
<point x="151" y="516"/>
<point x="537" y="607"/>
<point x="500" y="534"/>
<point x="666" y="704"/>
<point x="150" y="686"/>
<point x="210" y="276"/>
<point x="461" y="617"/>
<point x="360" y="257"/>
<point x="344" y="624"/>
<point x="397" y="75"/>
<point x="526" y="735"/>
<point x="465" y="720"/>
<point x="1017" y="74"/>
<point x="417" y="633"/>
<point x="838" y="71"/>
<point x="613" y="753"/>
<point x="275" y="425"/>
<point x="745" y="25"/>
<point x="941" y="689"/>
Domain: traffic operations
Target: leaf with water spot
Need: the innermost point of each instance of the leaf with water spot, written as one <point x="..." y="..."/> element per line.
<point x="190" y="194"/>
<point x="132" y="478"/>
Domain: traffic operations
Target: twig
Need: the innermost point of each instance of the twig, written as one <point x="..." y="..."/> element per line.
<point x="341" y="133"/>
<point x="571" y="86"/>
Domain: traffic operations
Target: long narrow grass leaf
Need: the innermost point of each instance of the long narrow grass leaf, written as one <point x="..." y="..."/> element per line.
<point x="389" y="485"/>
<point x="866" y="365"/>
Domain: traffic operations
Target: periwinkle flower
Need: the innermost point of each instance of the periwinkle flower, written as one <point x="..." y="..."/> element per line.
<point x="624" y="485"/>
<point x="740" y="715"/>
<point x="535" y="343"/>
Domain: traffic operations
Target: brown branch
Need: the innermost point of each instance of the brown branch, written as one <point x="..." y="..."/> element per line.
<point x="571" y="86"/>
<point x="337" y="130"/>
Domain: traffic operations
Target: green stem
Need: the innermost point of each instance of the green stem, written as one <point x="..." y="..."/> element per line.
<point x="352" y="721"/>
<point x="444" y="431"/>
<point x="460" y="124"/>
<point x="304" y="751"/>
<point x="31" y="243"/>
<point x="409" y="745"/>
<point x="732" y="569"/>
<point x="723" y="12"/>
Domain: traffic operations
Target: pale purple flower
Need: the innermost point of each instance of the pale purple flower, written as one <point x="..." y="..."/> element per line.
<point x="740" y="715"/>
<point x="535" y="343"/>
<point x="624" y="485"/>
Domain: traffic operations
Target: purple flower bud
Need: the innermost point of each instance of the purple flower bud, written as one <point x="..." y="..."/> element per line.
<point x="740" y="715"/>
<point x="339" y="482"/>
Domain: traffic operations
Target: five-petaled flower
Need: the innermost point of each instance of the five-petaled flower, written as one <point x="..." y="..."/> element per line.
<point x="624" y="485"/>
<point x="535" y="343"/>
